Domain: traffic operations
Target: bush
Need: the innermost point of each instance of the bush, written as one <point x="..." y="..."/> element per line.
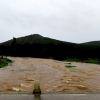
<point x="37" y="89"/>
<point x="4" y="62"/>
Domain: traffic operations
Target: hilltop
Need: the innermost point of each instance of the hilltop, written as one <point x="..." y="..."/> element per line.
<point x="92" y="43"/>
<point x="25" y="39"/>
<point x="39" y="46"/>
<point x="33" y="38"/>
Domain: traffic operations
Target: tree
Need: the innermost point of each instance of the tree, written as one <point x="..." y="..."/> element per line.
<point x="14" y="46"/>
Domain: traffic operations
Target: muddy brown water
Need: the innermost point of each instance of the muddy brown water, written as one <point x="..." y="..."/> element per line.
<point x="51" y="74"/>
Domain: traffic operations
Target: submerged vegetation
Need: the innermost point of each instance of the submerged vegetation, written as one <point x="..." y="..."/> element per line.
<point x="70" y="66"/>
<point x="37" y="89"/>
<point x="4" y="62"/>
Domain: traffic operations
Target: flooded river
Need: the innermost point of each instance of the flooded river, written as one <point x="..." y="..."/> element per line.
<point x="51" y="74"/>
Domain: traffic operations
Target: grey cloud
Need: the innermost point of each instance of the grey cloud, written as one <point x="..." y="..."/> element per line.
<point x="67" y="20"/>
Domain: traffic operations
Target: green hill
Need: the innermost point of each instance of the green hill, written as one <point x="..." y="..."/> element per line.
<point x="92" y="43"/>
<point x="35" y="38"/>
<point x="36" y="46"/>
<point x="43" y="47"/>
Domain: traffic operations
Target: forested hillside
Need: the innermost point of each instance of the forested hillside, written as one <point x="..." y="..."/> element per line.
<point x="92" y="43"/>
<point x="43" y="47"/>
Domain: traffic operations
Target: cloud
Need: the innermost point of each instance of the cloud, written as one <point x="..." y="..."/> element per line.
<point x="67" y="20"/>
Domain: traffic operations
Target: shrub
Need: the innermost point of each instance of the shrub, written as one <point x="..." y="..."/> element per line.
<point x="37" y="89"/>
<point x="4" y="62"/>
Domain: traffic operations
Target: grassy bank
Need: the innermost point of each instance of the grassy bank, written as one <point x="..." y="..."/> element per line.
<point x="4" y="62"/>
<point x="89" y="60"/>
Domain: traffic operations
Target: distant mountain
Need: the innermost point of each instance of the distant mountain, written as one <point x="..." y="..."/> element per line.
<point x="92" y="43"/>
<point x="34" y="38"/>
<point x="25" y="39"/>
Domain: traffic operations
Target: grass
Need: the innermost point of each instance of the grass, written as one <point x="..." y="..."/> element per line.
<point x="94" y="61"/>
<point x="4" y="62"/>
<point x="73" y="59"/>
<point x="88" y="60"/>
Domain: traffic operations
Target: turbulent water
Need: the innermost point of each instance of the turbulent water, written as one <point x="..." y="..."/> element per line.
<point x="51" y="74"/>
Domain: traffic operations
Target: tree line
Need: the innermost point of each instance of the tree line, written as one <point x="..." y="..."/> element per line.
<point x="59" y="51"/>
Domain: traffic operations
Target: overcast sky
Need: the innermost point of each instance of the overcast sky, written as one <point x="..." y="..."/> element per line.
<point x="68" y="20"/>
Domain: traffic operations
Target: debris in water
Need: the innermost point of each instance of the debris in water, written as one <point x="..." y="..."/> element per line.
<point x="16" y="89"/>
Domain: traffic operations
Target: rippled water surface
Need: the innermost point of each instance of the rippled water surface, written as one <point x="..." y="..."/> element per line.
<point x="51" y="74"/>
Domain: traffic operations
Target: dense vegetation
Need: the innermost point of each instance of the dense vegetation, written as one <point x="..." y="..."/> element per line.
<point x="88" y="60"/>
<point x="43" y="47"/>
<point x="92" y="43"/>
<point x="4" y="62"/>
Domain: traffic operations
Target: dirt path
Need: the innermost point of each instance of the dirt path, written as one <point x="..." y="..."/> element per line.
<point x="52" y="75"/>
